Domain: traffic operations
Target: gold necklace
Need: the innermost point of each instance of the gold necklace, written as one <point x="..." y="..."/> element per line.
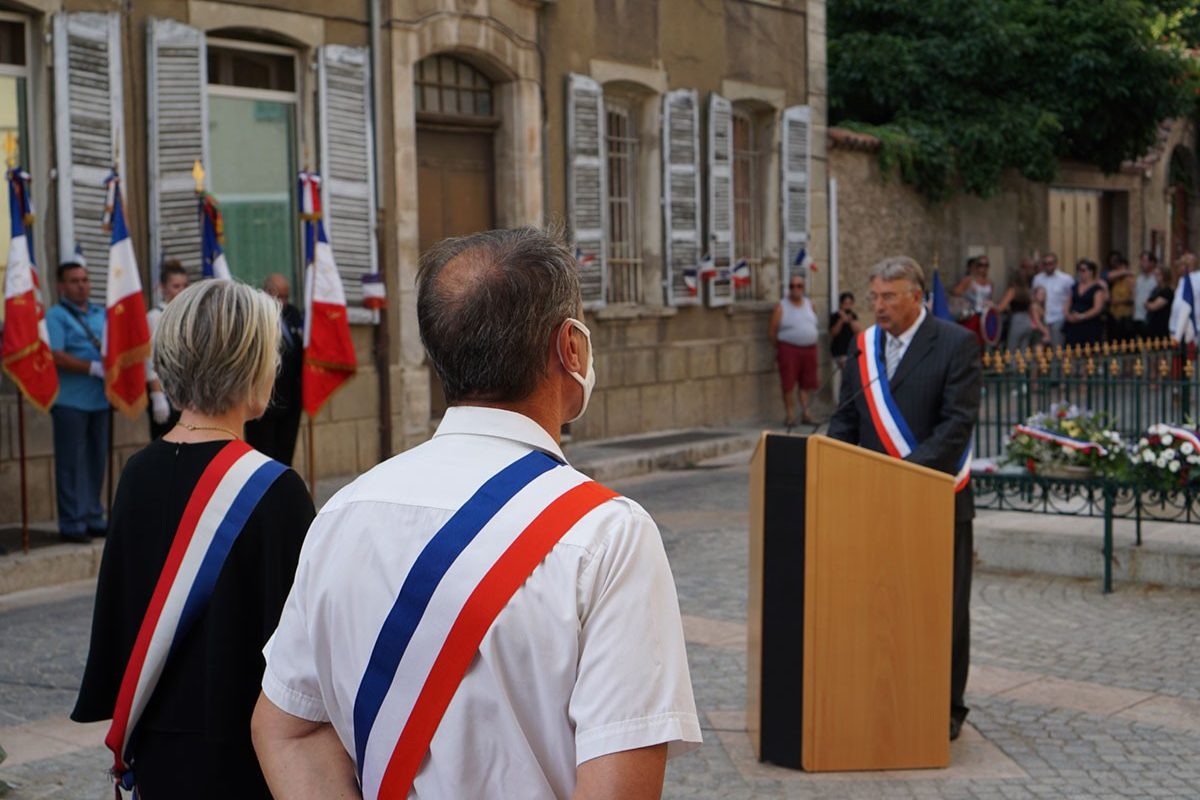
<point x="191" y="427"/>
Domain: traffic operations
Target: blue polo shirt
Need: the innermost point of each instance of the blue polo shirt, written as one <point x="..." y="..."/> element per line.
<point x="82" y="392"/>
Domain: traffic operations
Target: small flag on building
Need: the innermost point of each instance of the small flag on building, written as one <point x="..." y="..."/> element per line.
<point x="328" y="352"/>
<point x="584" y="259"/>
<point x="938" y="304"/>
<point x="690" y="280"/>
<point x="374" y="290"/>
<point x="741" y="273"/>
<point x="212" y="236"/>
<point x="25" y="350"/>
<point x="707" y="267"/>
<point x="126" y="335"/>
<point x="80" y="258"/>
<point x="802" y="260"/>
<point x="310" y="196"/>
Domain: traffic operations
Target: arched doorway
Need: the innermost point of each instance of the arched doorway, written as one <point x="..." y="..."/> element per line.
<point x="456" y="123"/>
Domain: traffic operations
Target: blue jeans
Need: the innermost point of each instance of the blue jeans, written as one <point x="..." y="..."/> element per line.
<point x="80" y="449"/>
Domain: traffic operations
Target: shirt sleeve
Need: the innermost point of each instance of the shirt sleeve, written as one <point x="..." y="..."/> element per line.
<point x="152" y="324"/>
<point x="54" y="326"/>
<point x="633" y="688"/>
<point x="291" y="680"/>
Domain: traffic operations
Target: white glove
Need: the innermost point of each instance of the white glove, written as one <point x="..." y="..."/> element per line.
<point x="96" y="370"/>
<point x="160" y="409"/>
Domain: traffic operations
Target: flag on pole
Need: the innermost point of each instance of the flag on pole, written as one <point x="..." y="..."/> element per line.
<point x="938" y="304"/>
<point x="212" y="234"/>
<point x="707" y="267"/>
<point x="1189" y="298"/>
<point x="25" y="351"/>
<point x="310" y="196"/>
<point x="803" y="260"/>
<point x="126" y="335"/>
<point x="328" y="352"/>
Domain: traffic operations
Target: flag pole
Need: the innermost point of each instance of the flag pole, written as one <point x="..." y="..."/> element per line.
<point x="312" y="450"/>
<point x="24" y="491"/>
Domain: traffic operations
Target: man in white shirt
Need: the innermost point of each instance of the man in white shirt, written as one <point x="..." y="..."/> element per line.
<point x="1185" y="309"/>
<point x="172" y="279"/>
<point x="1058" y="285"/>
<point x="1144" y="287"/>
<point x="579" y="687"/>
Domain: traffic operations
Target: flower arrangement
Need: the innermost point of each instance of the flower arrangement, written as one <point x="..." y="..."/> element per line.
<point x="1067" y="441"/>
<point x="1166" y="458"/>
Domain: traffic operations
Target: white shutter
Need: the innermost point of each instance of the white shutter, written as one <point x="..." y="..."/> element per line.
<point x="796" y="141"/>
<point x="178" y="136"/>
<point x="348" y="172"/>
<point x="681" y="192"/>
<point x="720" y="198"/>
<point x="88" y="120"/>
<point x="587" y="203"/>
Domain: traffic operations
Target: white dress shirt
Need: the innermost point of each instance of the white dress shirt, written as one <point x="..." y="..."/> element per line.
<point x="1058" y="286"/>
<point x="897" y="346"/>
<point x="587" y="658"/>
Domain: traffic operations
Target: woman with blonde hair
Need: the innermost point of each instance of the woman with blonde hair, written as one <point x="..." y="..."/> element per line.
<point x="202" y="547"/>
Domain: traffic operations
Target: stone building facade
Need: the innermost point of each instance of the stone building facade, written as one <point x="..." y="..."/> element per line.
<point x="680" y="143"/>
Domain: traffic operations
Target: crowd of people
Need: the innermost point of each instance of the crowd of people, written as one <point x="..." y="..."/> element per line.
<point x="1045" y="305"/>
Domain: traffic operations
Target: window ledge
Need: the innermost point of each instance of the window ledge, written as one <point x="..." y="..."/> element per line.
<point x="750" y="306"/>
<point x="616" y="312"/>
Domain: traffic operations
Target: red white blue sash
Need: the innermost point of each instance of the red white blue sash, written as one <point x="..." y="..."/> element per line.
<point x="889" y="423"/>
<point x="453" y="593"/>
<point x="228" y="491"/>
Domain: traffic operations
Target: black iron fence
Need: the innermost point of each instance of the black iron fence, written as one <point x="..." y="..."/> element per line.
<point x="1135" y="384"/>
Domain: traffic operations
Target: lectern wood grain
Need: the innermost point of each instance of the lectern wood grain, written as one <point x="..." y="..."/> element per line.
<point x="877" y="599"/>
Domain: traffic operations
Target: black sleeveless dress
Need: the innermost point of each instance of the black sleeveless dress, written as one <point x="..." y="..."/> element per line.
<point x="1085" y="331"/>
<point x="193" y="740"/>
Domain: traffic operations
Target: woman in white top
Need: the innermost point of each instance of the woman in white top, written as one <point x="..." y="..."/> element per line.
<point x="793" y="332"/>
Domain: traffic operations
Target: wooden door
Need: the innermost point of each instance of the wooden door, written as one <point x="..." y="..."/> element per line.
<point x="1075" y="226"/>
<point x="456" y="195"/>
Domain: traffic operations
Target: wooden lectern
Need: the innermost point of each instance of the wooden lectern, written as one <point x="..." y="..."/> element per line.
<point x="851" y="572"/>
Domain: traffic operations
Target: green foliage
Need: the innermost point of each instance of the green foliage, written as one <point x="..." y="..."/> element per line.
<point x="959" y="91"/>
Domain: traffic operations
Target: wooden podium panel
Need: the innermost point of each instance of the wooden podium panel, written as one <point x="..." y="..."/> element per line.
<point x="879" y="549"/>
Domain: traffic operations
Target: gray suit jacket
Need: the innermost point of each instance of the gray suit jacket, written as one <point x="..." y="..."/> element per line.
<point x="936" y="387"/>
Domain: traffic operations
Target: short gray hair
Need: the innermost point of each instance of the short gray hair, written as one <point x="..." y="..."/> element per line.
<point x="897" y="268"/>
<point x="487" y="307"/>
<point x="217" y="345"/>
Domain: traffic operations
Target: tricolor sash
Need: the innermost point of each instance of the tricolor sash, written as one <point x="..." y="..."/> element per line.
<point x="452" y="594"/>
<point x="228" y="491"/>
<point x="889" y="423"/>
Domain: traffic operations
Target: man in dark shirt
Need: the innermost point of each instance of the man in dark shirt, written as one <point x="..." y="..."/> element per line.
<point x="274" y="433"/>
<point x="843" y="327"/>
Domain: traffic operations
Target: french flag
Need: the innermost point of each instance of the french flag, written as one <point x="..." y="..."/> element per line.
<point x="212" y="228"/>
<point x="126" y="335"/>
<point x="328" y="352"/>
<point x="374" y="291"/>
<point x="708" y="268"/>
<point x="25" y="350"/>
<point x="741" y="273"/>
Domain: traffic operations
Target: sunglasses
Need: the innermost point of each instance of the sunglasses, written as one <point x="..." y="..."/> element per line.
<point x="796" y="286"/>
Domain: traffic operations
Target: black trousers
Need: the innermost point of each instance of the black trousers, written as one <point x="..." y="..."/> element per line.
<point x="960" y="640"/>
<point x="274" y="433"/>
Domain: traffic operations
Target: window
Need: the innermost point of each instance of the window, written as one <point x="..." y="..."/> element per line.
<point x="13" y="114"/>
<point x="747" y="201"/>
<point x="446" y="85"/>
<point x="252" y="153"/>
<point x="624" y="227"/>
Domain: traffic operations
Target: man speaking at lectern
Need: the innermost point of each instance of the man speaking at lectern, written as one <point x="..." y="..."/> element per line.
<point x="911" y="389"/>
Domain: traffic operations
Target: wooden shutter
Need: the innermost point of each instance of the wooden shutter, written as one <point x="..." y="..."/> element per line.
<point x="348" y="172"/>
<point x="681" y="192"/>
<point x="88" y="108"/>
<point x="587" y="203"/>
<point x="720" y="198"/>
<point x="178" y="136"/>
<point x="796" y="141"/>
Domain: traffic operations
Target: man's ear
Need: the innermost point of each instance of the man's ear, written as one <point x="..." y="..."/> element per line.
<point x="570" y="347"/>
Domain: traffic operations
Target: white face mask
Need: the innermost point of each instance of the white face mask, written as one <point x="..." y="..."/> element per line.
<point x="588" y="383"/>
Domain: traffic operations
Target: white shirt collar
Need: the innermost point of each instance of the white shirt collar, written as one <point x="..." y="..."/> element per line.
<point x="498" y="423"/>
<point x="907" y="336"/>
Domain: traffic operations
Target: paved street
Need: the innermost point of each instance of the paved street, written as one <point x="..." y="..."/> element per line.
<point x="1075" y="694"/>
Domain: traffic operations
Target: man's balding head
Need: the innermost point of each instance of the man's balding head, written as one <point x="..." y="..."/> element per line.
<point x="488" y="305"/>
<point x="277" y="286"/>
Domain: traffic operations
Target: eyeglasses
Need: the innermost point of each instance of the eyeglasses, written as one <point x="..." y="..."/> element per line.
<point x="796" y="286"/>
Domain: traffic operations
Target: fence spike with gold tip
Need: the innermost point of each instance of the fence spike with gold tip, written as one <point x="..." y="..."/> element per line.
<point x="1091" y="366"/>
<point x="1138" y="368"/>
<point x="1189" y="369"/>
<point x="1114" y="368"/>
<point x="1164" y="369"/>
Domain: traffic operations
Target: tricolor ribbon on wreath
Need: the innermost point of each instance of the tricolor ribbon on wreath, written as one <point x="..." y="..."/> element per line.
<point x="1080" y="445"/>
<point x="228" y="491"/>
<point x="1183" y="434"/>
<point x="889" y="424"/>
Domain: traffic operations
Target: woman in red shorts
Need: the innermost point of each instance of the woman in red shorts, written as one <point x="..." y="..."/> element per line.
<point x="793" y="331"/>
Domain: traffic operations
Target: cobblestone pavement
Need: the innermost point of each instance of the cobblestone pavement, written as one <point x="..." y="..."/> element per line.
<point x="1075" y="694"/>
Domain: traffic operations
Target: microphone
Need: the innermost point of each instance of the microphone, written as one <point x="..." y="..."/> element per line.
<point x="849" y="400"/>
